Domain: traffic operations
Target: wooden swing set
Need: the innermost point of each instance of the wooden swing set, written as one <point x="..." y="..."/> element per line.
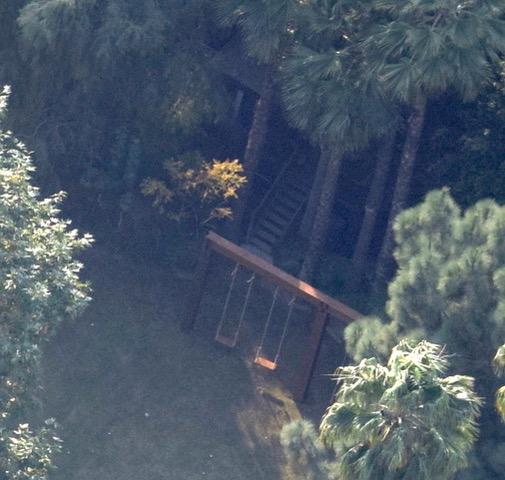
<point x="325" y="306"/>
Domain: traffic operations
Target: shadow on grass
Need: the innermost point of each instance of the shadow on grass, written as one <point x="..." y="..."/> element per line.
<point x="137" y="399"/>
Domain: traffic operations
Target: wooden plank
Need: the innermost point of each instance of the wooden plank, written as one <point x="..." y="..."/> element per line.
<point x="310" y="353"/>
<point x="265" y="363"/>
<point x="226" y="341"/>
<point x="294" y="285"/>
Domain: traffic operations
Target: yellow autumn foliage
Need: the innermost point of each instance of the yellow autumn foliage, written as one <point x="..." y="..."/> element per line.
<point x="200" y="193"/>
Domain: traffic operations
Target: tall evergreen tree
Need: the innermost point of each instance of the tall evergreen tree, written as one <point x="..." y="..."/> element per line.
<point x="449" y="288"/>
<point x="419" y="49"/>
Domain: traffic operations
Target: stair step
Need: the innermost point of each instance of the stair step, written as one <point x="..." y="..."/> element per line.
<point x="279" y="208"/>
<point x="280" y="219"/>
<point x="300" y="184"/>
<point x="260" y="245"/>
<point x="284" y="211"/>
<point x="288" y="202"/>
<point x="270" y="227"/>
<point x="265" y="236"/>
<point x="296" y="195"/>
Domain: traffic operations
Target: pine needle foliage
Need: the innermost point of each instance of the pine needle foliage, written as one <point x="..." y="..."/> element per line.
<point x="305" y="451"/>
<point x="450" y="283"/>
<point x="499" y="369"/>
<point x="405" y="420"/>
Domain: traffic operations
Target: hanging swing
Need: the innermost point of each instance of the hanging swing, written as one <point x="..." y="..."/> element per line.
<point x="231" y="341"/>
<point x="262" y="360"/>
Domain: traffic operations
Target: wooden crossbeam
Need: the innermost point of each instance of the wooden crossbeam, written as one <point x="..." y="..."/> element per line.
<point x="279" y="277"/>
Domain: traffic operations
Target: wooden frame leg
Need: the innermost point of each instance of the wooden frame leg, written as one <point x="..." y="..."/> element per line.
<point x="197" y="289"/>
<point x="311" y="353"/>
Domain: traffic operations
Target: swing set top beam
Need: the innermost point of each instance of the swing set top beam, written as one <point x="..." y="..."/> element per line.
<point x="296" y="286"/>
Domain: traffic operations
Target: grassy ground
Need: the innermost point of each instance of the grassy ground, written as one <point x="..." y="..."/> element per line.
<point x="137" y="399"/>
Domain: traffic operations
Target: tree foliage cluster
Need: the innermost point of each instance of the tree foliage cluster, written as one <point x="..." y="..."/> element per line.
<point x="199" y="195"/>
<point x="449" y="284"/>
<point x="403" y="420"/>
<point x="139" y="76"/>
<point x="464" y="148"/>
<point x="126" y="75"/>
<point x="448" y="289"/>
<point x="39" y="288"/>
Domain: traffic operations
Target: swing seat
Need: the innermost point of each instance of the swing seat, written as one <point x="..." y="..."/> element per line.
<point x="226" y="341"/>
<point x="265" y="363"/>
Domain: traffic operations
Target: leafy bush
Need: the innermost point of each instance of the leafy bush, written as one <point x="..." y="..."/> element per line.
<point x="39" y="288"/>
<point x="29" y="455"/>
<point x="196" y="192"/>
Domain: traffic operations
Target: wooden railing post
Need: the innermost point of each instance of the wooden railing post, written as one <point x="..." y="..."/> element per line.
<point x="311" y="352"/>
<point x="197" y="289"/>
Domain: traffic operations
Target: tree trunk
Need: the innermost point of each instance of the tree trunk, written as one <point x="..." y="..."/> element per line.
<point x="255" y="142"/>
<point x="372" y="206"/>
<point x="323" y="214"/>
<point x="401" y="192"/>
<point x="315" y="195"/>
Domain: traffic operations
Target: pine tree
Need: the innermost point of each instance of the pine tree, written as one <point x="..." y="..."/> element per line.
<point x="449" y="285"/>
<point x="449" y="288"/>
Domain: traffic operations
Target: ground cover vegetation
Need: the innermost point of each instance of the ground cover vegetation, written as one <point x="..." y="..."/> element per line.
<point x="126" y="103"/>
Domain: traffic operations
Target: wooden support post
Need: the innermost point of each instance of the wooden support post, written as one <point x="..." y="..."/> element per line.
<point x="197" y="289"/>
<point x="311" y="352"/>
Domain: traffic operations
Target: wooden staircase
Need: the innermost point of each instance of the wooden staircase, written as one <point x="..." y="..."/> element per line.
<point x="272" y="219"/>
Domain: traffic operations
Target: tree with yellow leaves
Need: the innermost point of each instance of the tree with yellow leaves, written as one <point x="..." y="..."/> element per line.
<point x="197" y="192"/>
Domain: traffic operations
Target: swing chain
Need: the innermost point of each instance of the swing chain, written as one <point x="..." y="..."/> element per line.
<point x="291" y="304"/>
<point x="267" y="324"/>
<point x="250" y="283"/>
<point x="233" y="276"/>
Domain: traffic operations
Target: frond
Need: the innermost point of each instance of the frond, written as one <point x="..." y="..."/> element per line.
<point x="499" y="361"/>
<point x="430" y="46"/>
<point x="405" y="420"/>
<point x="500" y="402"/>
